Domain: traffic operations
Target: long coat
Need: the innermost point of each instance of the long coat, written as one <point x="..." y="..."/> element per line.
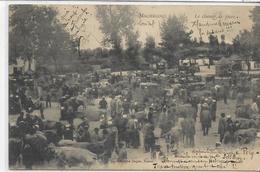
<point x="190" y="127"/>
<point x="221" y="126"/>
<point x="205" y="118"/>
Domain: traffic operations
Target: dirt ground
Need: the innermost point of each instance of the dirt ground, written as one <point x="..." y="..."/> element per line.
<point x="139" y="154"/>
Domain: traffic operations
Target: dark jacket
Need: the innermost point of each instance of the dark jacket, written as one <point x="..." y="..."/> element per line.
<point x="222" y="126"/>
<point x="205" y="118"/>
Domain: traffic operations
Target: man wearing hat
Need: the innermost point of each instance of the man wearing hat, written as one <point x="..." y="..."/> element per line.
<point x="113" y="106"/>
<point x="119" y="106"/>
<point x="222" y="126"/>
<point x="95" y="136"/>
<point x="240" y="98"/>
<point x="68" y="132"/>
<point x="126" y="106"/>
<point x="103" y="103"/>
<point x="150" y="115"/>
<point x="229" y="130"/>
<point x="205" y="119"/>
<point x="83" y="134"/>
<point x="213" y="109"/>
<point x="164" y="123"/>
<point x="132" y="131"/>
<point x="122" y="127"/>
<point x="191" y="131"/>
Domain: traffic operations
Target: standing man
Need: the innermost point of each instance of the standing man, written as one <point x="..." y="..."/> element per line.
<point x="205" y="119"/>
<point x="41" y="107"/>
<point x="240" y="99"/>
<point x="133" y="133"/>
<point x="113" y="106"/>
<point x="229" y="131"/>
<point x="103" y="103"/>
<point x="119" y="107"/>
<point x="164" y="123"/>
<point x="191" y="131"/>
<point x="150" y="116"/>
<point x="126" y="106"/>
<point x="150" y="139"/>
<point x="213" y="109"/>
<point x="225" y="93"/>
<point x="48" y="100"/>
<point x="222" y="126"/>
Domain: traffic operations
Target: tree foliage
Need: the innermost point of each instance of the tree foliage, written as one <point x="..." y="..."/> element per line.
<point x="243" y="43"/>
<point x="115" y="23"/>
<point x="255" y="15"/>
<point x="174" y="36"/>
<point x="36" y="33"/>
<point x="149" y="48"/>
<point x="133" y="49"/>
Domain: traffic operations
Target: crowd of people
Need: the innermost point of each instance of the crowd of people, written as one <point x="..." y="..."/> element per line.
<point x="127" y="121"/>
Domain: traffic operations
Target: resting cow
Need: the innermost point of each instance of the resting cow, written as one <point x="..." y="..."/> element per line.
<point x="39" y="143"/>
<point x="97" y="148"/>
<point x="242" y="123"/>
<point x="245" y="136"/>
<point x="72" y="156"/>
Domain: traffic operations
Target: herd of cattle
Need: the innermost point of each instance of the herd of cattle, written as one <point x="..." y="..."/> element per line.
<point x="46" y="144"/>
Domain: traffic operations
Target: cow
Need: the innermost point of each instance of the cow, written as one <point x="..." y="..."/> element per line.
<point x="39" y="144"/>
<point x="101" y="149"/>
<point x="97" y="148"/>
<point x="52" y="136"/>
<point x="73" y="156"/>
<point x="243" y="111"/>
<point x="53" y="130"/>
<point x="245" y="136"/>
<point x="242" y="123"/>
<point x="15" y="149"/>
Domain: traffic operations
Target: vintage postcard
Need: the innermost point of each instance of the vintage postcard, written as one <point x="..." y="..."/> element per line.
<point x="134" y="87"/>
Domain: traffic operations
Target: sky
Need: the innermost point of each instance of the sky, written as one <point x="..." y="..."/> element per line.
<point x="80" y="21"/>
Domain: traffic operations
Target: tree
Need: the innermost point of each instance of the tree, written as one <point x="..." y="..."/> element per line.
<point x="222" y="46"/>
<point x="36" y="33"/>
<point x="115" y="23"/>
<point x="255" y="15"/>
<point x="213" y="46"/>
<point x="132" y="51"/>
<point x="149" y="49"/>
<point x="174" y="36"/>
<point x="243" y="43"/>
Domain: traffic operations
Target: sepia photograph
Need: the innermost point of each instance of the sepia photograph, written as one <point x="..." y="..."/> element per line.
<point x="133" y="86"/>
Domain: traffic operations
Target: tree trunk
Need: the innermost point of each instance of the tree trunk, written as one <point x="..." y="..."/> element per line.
<point x="55" y="64"/>
<point x="30" y="64"/>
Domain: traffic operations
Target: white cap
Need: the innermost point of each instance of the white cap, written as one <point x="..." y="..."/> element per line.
<point x="205" y="105"/>
<point x="124" y="116"/>
<point x="258" y="134"/>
